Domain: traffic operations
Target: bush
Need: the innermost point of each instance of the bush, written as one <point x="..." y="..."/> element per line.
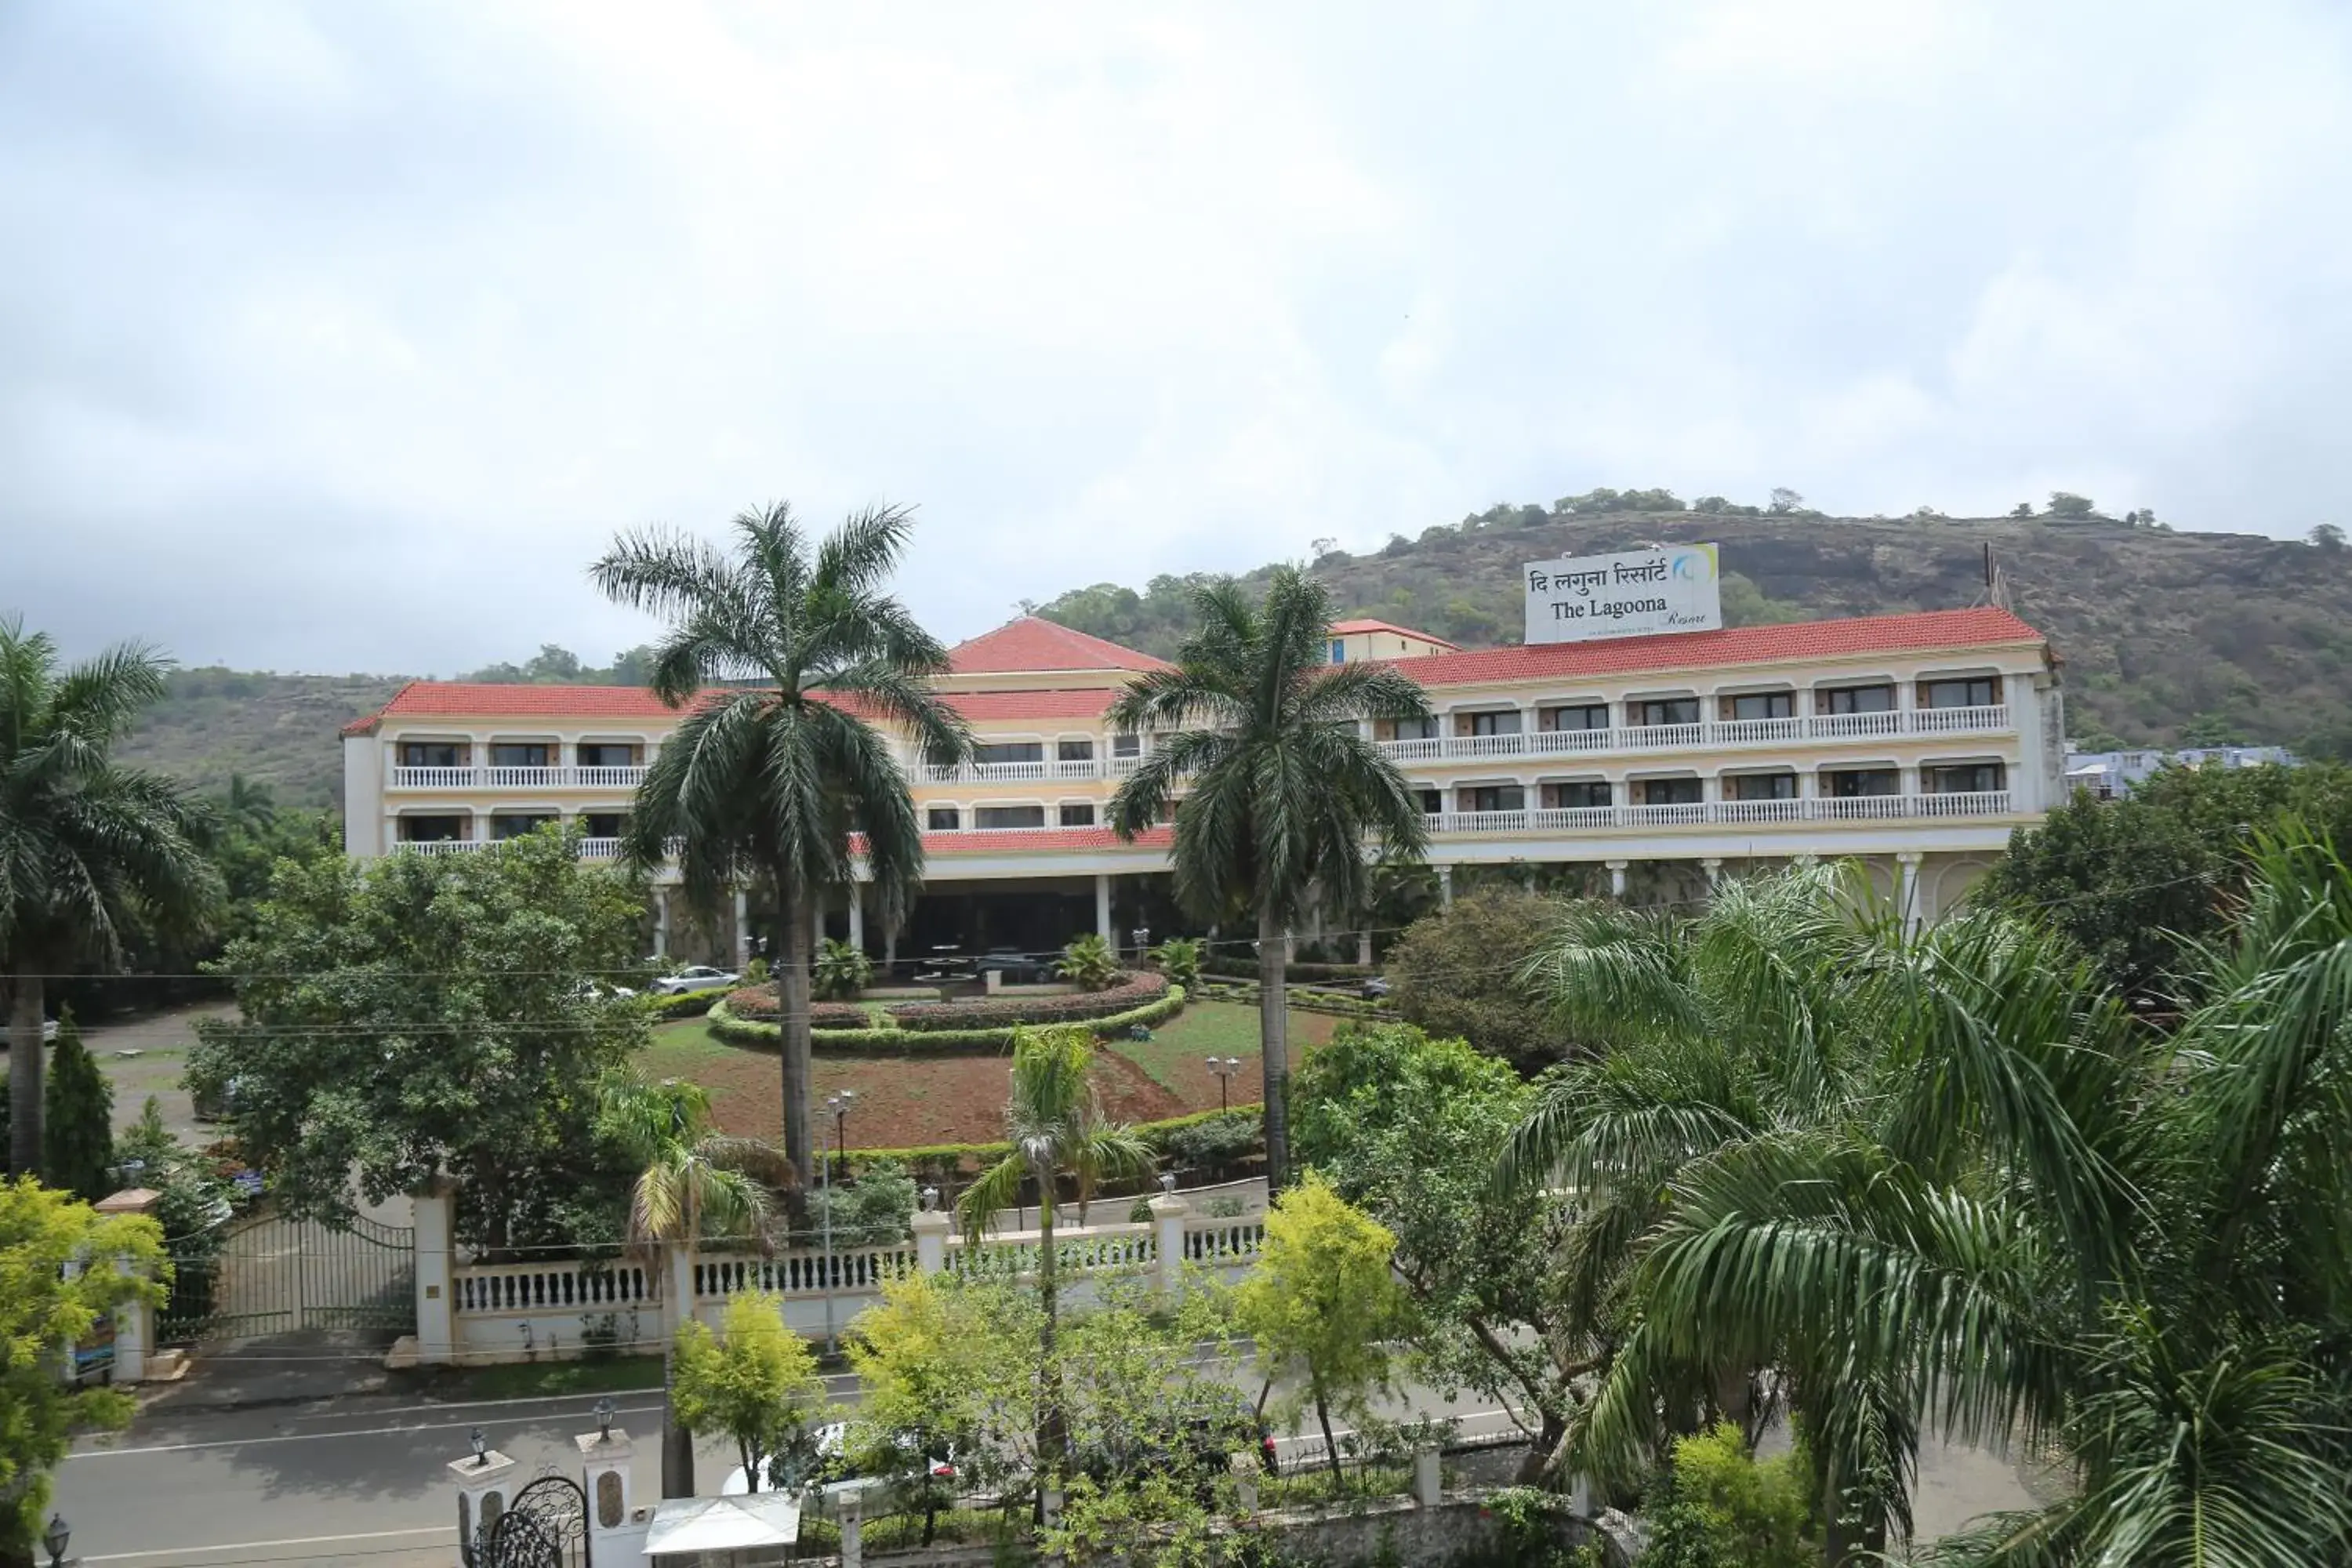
<point x="1002" y="1012"/>
<point x="727" y="1025"/>
<point x="756" y="972"/>
<point x="77" y="1120"/>
<point x="759" y="1006"/>
<point x="1211" y="1140"/>
<point x="1722" y="1508"/>
<point x="685" y="1004"/>
<point x="871" y="1211"/>
<point x="841" y="971"/>
<point x="1456" y="974"/>
<point x="1246" y="969"/>
<point x="1089" y="963"/>
<point x="1178" y="958"/>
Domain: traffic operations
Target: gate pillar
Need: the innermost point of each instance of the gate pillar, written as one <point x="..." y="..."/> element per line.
<point x="485" y="1485"/>
<point x="616" y="1536"/>
<point x="134" y="1319"/>
<point x="436" y="1310"/>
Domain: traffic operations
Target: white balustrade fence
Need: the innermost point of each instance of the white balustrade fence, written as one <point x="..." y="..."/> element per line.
<point x="1710" y="733"/>
<point x="531" y="1287"/>
<point x="562" y="777"/>
<point x="1698" y="813"/>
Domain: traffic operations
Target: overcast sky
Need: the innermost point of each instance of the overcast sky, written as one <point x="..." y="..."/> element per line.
<point x="342" y="336"/>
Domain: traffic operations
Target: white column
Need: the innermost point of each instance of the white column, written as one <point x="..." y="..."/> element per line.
<point x="857" y="915"/>
<point x="930" y="1228"/>
<point x="1168" y="1212"/>
<point x="1427" y="1478"/>
<point x="1364" y="947"/>
<point x="661" y="922"/>
<point x="850" y="1510"/>
<point x="1713" y="866"/>
<point x="483" y="1485"/>
<point x="1102" y="909"/>
<point x="1617" y="876"/>
<point x="1906" y="895"/>
<point x="436" y="1308"/>
<point x="134" y="1320"/>
<point x="604" y="1465"/>
<point x="1446" y="887"/>
<point x="743" y="937"/>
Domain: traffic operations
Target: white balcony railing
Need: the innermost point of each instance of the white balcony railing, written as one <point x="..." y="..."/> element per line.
<point x="440" y="846"/>
<point x="1699" y="814"/>
<point x="1708" y="735"/>
<point x="517" y="778"/>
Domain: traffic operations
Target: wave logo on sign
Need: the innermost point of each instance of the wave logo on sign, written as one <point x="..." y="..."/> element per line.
<point x="1694" y="566"/>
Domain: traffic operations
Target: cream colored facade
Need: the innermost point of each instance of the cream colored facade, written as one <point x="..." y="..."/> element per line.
<point x="1918" y="759"/>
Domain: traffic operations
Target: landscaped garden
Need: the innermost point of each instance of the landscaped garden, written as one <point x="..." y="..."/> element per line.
<point x="907" y="1101"/>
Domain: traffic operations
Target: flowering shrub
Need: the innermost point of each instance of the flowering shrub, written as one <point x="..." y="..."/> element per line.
<point x="1002" y="1012"/>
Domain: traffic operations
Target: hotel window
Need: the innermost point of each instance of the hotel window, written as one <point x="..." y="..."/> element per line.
<point x="1416" y="730"/>
<point x="1505" y="723"/>
<point x="1666" y="710"/>
<point x="1961" y="778"/>
<point x="1980" y="691"/>
<point x="1431" y="801"/>
<point x="1073" y="751"/>
<point x="943" y="819"/>
<point x="519" y="754"/>
<point x="1850" y="784"/>
<point x="1671" y="792"/>
<point x="431" y="754"/>
<point x="1493" y="797"/>
<point x="1576" y="796"/>
<point x="1761" y="705"/>
<point x="1854" y="700"/>
<point x="602" y="754"/>
<point x="1338" y="651"/>
<point x="1080" y="814"/>
<point x="434" y="829"/>
<point x="1127" y="746"/>
<point x="1762" y="787"/>
<point x="1010" y="751"/>
<point x="603" y="823"/>
<point x="1576" y="716"/>
<point x="1009" y="816"/>
<point x="511" y="826"/>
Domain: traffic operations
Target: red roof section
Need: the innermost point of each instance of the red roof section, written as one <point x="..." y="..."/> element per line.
<point x="1031" y="644"/>
<point x="1014" y="840"/>
<point x="1346" y="628"/>
<point x="1742" y="645"/>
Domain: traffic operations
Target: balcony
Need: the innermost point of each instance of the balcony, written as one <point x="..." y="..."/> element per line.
<point x="586" y="848"/>
<point x="517" y="778"/>
<point x="1708" y="735"/>
<point x="1729" y="813"/>
<point x="1021" y="772"/>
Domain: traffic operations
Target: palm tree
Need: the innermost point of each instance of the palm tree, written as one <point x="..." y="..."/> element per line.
<point x="694" y="1185"/>
<point x="1055" y="1121"/>
<point x="783" y="652"/>
<point x="90" y="851"/>
<point x="1276" y="795"/>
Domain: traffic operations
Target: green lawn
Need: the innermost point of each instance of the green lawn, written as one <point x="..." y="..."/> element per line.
<point x="1178" y="1050"/>
<point x="533" y="1380"/>
<point x="680" y="1048"/>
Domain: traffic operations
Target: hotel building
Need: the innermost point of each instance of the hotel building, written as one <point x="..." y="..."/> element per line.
<point x="1914" y="743"/>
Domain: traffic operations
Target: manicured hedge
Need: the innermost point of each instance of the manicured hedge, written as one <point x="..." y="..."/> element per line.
<point x="1332" y="1003"/>
<point x="1002" y="1012"/>
<point x="727" y="1026"/>
<point x="758" y="1004"/>
<point x="932" y="1160"/>
<point x="686" y="1003"/>
<point x="1246" y="969"/>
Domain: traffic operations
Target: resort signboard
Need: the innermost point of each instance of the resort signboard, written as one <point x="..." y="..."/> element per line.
<point x="1666" y="588"/>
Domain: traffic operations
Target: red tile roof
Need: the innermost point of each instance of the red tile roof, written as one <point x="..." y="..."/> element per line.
<point x="1346" y="628"/>
<point x="1031" y="644"/>
<point x="1743" y="644"/>
<point x="1019" y="840"/>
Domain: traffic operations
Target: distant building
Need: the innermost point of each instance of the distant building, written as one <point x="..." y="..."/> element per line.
<point x="2111" y="776"/>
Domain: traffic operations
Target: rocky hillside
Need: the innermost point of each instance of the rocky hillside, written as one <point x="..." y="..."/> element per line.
<point x="279" y="730"/>
<point x="2167" y="638"/>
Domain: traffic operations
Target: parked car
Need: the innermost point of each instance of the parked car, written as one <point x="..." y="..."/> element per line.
<point x="1015" y="965"/>
<point x="698" y="977"/>
<point x="49" y="1031"/>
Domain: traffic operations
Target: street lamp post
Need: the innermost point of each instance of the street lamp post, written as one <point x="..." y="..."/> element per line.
<point x="54" y="1538"/>
<point x="839" y="1105"/>
<point x="1225" y="1067"/>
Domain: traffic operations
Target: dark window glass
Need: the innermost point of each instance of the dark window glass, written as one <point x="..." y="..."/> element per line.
<point x="1982" y="691"/>
<point x="1009" y="816"/>
<point x="600" y="754"/>
<point x="1764" y="705"/>
<point x="1081" y="814"/>
<point x="516" y="826"/>
<point x="1431" y="801"/>
<point x="1856" y="699"/>
<point x="1669" y="710"/>
<point x="1763" y="786"/>
<point x="432" y="829"/>
<point x="431" y="754"/>
<point x="1671" y="792"/>
<point x="1073" y="751"/>
<point x="1846" y="783"/>
<point x="1489" y="723"/>
<point x="603" y="823"/>
<point x="1127" y="746"/>
<point x="1962" y="778"/>
<point x="1416" y="729"/>
<point x="1581" y="716"/>
<point x="1574" y="796"/>
<point x="943" y="819"/>
<point x="1010" y="751"/>
<point x="1495" y="797"/>
<point x="525" y="754"/>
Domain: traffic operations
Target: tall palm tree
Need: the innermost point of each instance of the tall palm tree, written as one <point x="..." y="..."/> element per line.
<point x="694" y="1185"/>
<point x="91" y="851"/>
<point x="1278" y="799"/>
<point x="783" y="652"/>
<point x="1055" y="1121"/>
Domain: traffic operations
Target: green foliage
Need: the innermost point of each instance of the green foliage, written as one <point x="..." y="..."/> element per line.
<point x="553" y="665"/>
<point x="755" y="973"/>
<point x="2067" y="504"/>
<point x="1321" y="1306"/>
<point x="946" y="1364"/>
<point x="42" y="1232"/>
<point x="1088" y="962"/>
<point x="1117" y="995"/>
<point x="841" y="971"/>
<point x="672" y="1005"/>
<point x="872" y="1210"/>
<point x="418" y="1016"/>
<point x="78" y="1128"/>
<point x="2327" y="536"/>
<point x="727" y="1026"/>
<point x="1178" y="958"/>
<point x="1457" y="972"/>
<point x="1722" y="1508"/>
<point x="757" y="1384"/>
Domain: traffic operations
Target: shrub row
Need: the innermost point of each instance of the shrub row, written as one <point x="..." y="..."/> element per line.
<point x="1246" y="969"/>
<point x="1204" y="1135"/>
<point x="726" y="1024"/>
<point x="1327" y="1002"/>
<point x="758" y="1004"/>
<point x="686" y="1003"/>
<point x="1000" y="1012"/>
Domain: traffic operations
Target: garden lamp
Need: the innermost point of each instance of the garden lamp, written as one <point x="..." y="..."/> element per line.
<point x="605" y="1410"/>
<point x="482" y="1446"/>
<point x="55" y="1538"/>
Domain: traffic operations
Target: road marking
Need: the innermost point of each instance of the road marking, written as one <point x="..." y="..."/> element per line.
<point x="322" y="1436"/>
<point x="442" y="1530"/>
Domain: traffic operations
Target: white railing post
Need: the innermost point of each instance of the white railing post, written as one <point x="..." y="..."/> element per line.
<point x="1168" y="1212"/>
<point x="437" y="1322"/>
<point x="483" y="1492"/>
<point x="605" y="1465"/>
<point x="931" y="1229"/>
<point x="678" y="1290"/>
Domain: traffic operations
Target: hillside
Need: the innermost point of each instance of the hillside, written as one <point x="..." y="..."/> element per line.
<point x="278" y="729"/>
<point x="2167" y="638"/>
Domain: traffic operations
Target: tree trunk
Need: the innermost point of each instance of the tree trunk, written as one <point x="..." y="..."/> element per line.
<point x="678" y="1443"/>
<point x="1330" y="1446"/>
<point x="1273" y="1045"/>
<point x="1053" y="1430"/>
<point x="1540" y="1450"/>
<point x="791" y="971"/>
<point x="25" y="1072"/>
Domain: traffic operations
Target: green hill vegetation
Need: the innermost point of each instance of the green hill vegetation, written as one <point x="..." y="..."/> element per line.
<point x="2168" y="637"/>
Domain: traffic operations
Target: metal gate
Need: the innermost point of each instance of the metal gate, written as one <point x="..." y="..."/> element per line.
<point x="546" y="1526"/>
<point x="265" y="1274"/>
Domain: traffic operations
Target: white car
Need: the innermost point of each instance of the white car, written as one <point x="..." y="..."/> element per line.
<point x="701" y="977"/>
